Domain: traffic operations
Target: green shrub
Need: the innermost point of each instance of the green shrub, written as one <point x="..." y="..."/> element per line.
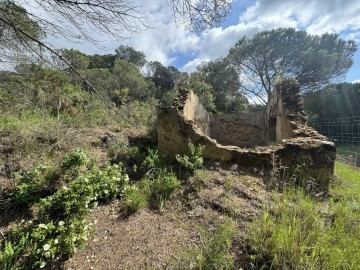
<point x="159" y="187"/>
<point x="35" y="184"/>
<point x="75" y="160"/>
<point x="153" y="160"/>
<point x="121" y="152"/>
<point x="90" y="187"/>
<point x="134" y="200"/>
<point x="61" y="225"/>
<point x="194" y="160"/>
<point x="43" y="180"/>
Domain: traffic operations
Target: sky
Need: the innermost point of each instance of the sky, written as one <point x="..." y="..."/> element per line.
<point x="174" y="45"/>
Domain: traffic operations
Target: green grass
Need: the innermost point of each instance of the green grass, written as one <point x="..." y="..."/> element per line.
<point x="214" y="251"/>
<point x="299" y="232"/>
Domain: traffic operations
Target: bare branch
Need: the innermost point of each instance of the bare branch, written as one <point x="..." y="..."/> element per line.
<point x="198" y="15"/>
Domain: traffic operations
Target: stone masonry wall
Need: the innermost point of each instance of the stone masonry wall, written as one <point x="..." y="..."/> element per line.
<point x="246" y="129"/>
<point x="303" y="146"/>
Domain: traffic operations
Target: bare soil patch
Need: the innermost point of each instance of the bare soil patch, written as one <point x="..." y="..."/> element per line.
<point x="160" y="240"/>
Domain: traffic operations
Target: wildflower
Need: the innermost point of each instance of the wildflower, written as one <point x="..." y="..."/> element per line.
<point x="46" y="247"/>
<point x="42" y="265"/>
<point x="56" y="241"/>
<point x="42" y="225"/>
<point x="47" y="254"/>
<point x="61" y="223"/>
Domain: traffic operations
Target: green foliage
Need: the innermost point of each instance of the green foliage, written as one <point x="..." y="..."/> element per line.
<point x="333" y="101"/>
<point x="153" y="160"/>
<point x="164" y="78"/>
<point x="312" y="60"/>
<point x="45" y="89"/>
<point x="194" y="160"/>
<point x="128" y="76"/>
<point x="130" y="55"/>
<point x="120" y="84"/>
<point x="224" y="81"/>
<point x="159" y="186"/>
<point x="215" y="252"/>
<point x="88" y="188"/>
<point x="204" y="91"/>
<point x="105" y="61"/>
<point x="77" y="59"/>
<point x="162" y="187"/>
<point x="43" y="180"/>
<point x="33" y="185"/>
<point x="16" y="17"/>
<point x="298" y="232"/>
<point x="134" y="200"/>
<point x="75" y="160"/>
<point x="61" y="226"/>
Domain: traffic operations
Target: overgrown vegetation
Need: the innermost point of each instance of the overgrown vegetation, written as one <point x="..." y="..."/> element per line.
<point x="61" y="223"/>
<point x="298" y="231"/>
<point x="194" y="160"/>
<point x="214" y="251"/>
<point x="64" y="194"/>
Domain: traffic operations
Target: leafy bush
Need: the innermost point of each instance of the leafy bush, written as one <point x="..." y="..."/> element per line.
<point x="44" y="180"/>
<point x="62" y="224"/>
<point x="90" y="187"/>
<point x="75" y="160"/>
<point x="153" y="160"/>
<point x="33" y="185"/>
<point x="195" y="160"/>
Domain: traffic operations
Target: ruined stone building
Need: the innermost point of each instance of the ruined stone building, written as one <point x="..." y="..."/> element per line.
<point x="251" y="139"/>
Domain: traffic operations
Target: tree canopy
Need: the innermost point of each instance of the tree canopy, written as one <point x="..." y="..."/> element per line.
<point x="313" y="60"/>
<point x="13" y="42"/>
<point x="225" y="84"/>
<point x="334" y="101"/>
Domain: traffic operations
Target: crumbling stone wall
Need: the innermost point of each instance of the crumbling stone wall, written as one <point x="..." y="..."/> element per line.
<point x="285" y="110"/>
<point x="193" y="110"/>
<point x="299" y="145"/>
<point x="246" y="129"/>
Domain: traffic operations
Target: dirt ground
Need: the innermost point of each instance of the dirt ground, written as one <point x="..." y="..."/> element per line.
<point x="153" y="239"/>
<point x="161" y="239"/>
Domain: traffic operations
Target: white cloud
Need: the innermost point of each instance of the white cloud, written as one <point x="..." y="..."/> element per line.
<point x="164" y="41"/>
<point x="317" y="17"/>
<point x="356" y="81"/>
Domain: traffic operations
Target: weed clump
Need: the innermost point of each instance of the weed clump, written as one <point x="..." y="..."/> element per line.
<point x="299" y="232"/>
